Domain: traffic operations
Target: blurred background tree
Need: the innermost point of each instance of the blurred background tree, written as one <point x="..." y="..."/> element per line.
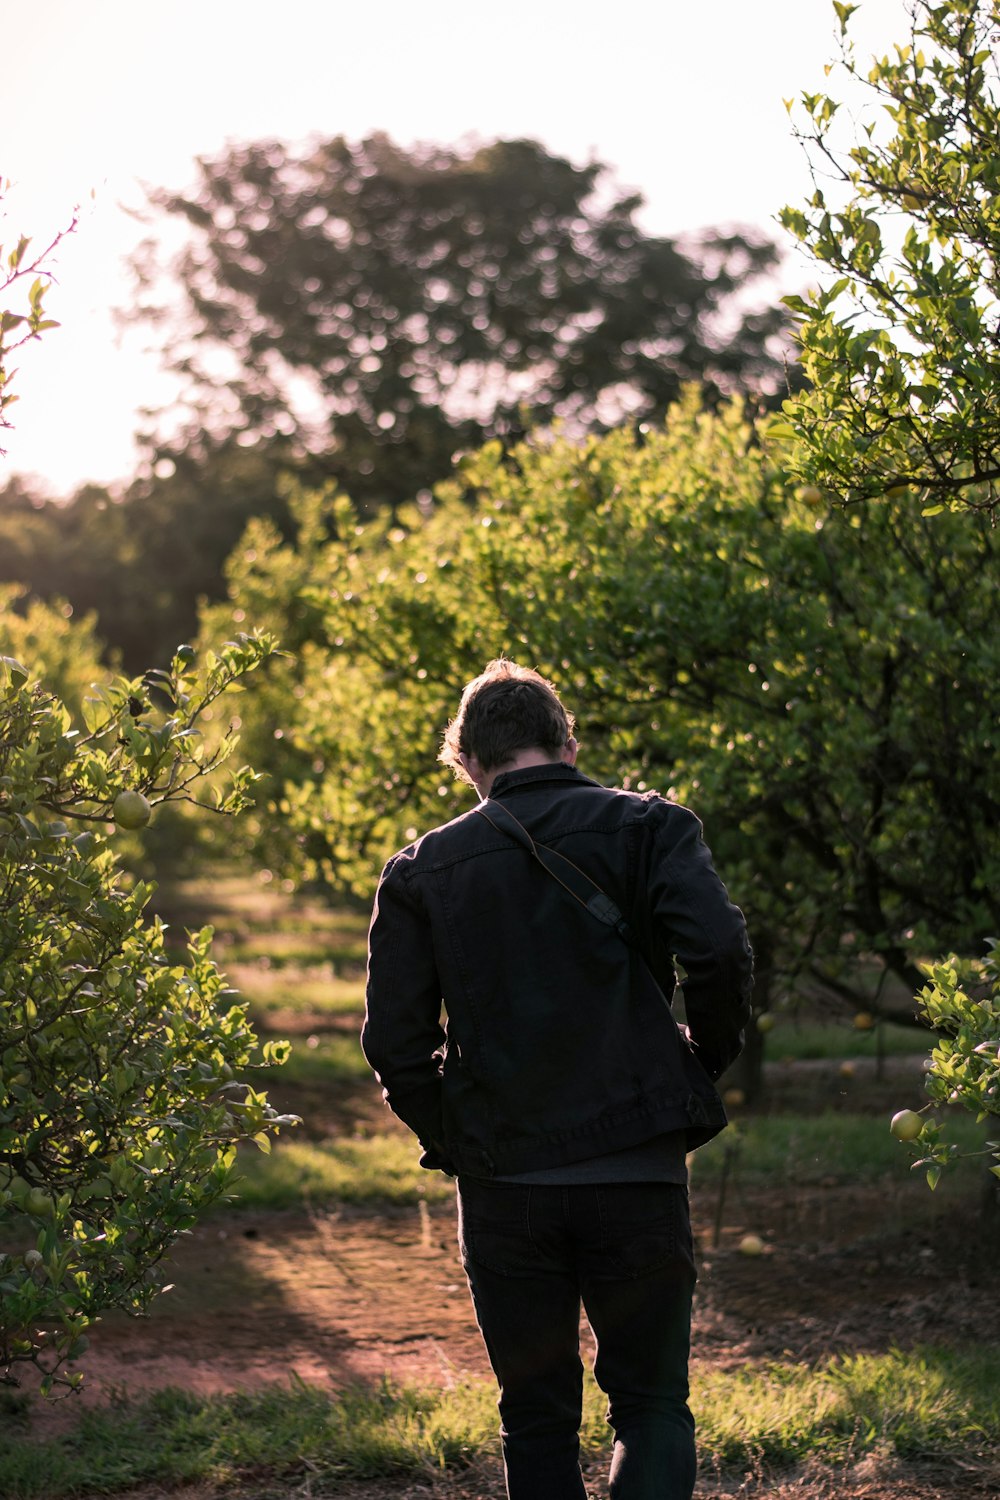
<point x="141" y="560"/>
<point x="384" y="307"/>
<point x="361" y="312"/>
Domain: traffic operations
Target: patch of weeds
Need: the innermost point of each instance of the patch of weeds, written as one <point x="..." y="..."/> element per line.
<point x="767" y="1418"/>
<point x="778" y="1149"/>
<point x="374" y="1170"/>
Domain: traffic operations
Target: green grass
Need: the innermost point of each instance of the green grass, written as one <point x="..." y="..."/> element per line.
<point x="917" y="1403"/>
<point x="788" y="1149"/>
<point x="376" y="1170"/>
<point x="333" y="1059"/>
<point x="279" y="947"/>
<point x="833" y="1041"/>
<point x="301" y="991"/>
<point x="779" y="1149"/>
<point x="922" y="1403"/>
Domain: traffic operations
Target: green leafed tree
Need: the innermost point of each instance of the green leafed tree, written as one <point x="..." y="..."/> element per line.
<point x="961" y="1001"/>
<point x="386" y="307"/>
<point x="900" y="342"/>
<point x="121" y="1104"/>
<point x="817" y="686"/>
<point x="141" y="561"/>
<point x="64" y="649"/>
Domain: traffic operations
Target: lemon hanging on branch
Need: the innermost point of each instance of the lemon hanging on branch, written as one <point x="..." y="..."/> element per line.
<point x="132" y="810"/>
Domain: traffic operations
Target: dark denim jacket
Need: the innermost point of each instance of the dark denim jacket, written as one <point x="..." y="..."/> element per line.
<point x="509" y="1028"/>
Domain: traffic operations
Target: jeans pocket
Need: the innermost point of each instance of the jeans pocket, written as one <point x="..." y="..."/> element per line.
<point x="493" y="1226"/>
<point x="645" y="1226"/>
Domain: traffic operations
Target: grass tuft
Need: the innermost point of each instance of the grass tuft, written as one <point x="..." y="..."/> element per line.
<point x="917" y="1403"/>
<point x="912" y="1404"/>
<point x="373" y="1170"/>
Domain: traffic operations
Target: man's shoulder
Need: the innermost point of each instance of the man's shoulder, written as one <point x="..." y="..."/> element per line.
<point x="447" y="842"/>
<point x="647" y="806"/>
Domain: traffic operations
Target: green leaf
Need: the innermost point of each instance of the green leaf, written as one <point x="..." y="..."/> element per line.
<point x="16" y="256"/>
<point x="17" y="673"/>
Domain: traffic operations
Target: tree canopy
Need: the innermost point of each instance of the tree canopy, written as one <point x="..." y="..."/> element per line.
<point x="818" y="687"/>
<point x="900" y="343"/>
<point x="387" y="307"/>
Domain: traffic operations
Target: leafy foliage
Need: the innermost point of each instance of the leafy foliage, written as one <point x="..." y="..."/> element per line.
<point x="64" y="649"/>
<point x="120" y="1109"/>
<point x="385" y="307"/>
<point x="961" y="1000"/>
<point x="817" y="686"/>
<point x="900" y="344"/>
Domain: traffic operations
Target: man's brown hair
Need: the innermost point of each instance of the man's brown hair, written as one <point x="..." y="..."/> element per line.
<point x="505" y="709"/>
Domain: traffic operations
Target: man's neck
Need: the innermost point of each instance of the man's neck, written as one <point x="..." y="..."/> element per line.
<point x="521" y="762"/>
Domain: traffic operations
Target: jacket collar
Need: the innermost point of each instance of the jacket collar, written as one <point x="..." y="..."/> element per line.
<point x="530" y="776"/>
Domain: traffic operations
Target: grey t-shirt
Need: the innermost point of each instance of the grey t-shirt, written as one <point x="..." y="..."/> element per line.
<point x="662" y="1159"/>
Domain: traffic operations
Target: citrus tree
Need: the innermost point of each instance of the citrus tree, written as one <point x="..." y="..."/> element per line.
<point x="816" y="685"/>
<point x="382" y="307"/>
<point x="121" y="1104"/>
<point x="64" y="649"/>
<point x="961" y="1001"/>
<point x="899" y="343"/>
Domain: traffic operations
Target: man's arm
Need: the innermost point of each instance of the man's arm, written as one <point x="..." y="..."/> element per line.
<point x="694" y="921"/>
<point x="402" y="1036"/>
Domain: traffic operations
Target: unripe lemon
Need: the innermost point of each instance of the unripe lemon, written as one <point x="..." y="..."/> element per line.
<point x="906" y="1125"/>
<point x="131" y="810"/>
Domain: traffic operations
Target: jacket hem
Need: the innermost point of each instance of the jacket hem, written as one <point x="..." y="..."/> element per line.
<point x="699" y="1118"/>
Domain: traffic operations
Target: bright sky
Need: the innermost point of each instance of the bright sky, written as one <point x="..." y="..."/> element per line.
<point x="683" y="100"/>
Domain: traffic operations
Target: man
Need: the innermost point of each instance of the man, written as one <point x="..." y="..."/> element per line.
<point x="556" y="1085"/>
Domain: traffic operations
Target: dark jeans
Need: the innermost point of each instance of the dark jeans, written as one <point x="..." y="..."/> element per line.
<point x="532" y="1254"/>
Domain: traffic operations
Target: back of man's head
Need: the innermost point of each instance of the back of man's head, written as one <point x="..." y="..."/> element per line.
<point x="504" y="710"/>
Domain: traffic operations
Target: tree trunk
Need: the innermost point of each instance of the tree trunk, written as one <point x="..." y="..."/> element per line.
<point x="749" y="1073"/>
<point x="989" y="1206"/>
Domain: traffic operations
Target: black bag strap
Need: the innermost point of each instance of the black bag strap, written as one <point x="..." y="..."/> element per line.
<point x="573" y="879"/>
<point x="598" y="903"/>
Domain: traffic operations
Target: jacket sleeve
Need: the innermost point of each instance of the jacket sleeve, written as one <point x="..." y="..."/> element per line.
<point x="694" y="923"/>
<point x="403" y="1036"/>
